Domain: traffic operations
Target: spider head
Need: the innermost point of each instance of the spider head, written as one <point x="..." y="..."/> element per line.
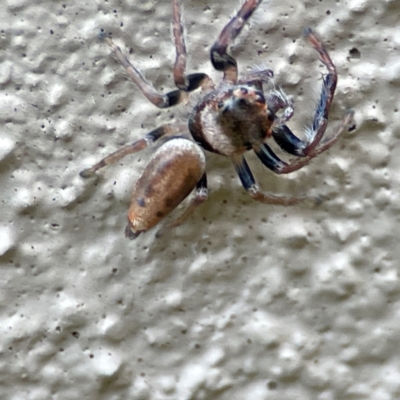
<point x="244" y="111"/>
<point x="243" y="99"/>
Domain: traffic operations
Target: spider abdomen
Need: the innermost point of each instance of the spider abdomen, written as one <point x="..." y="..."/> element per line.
<point x="172" y="173"/>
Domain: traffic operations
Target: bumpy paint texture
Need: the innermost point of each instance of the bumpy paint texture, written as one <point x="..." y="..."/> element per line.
<point x="245" y="300"/>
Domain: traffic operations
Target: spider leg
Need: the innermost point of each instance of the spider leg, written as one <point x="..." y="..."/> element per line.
<point x="220" y="59"/>
<point x="275" y="164"/>
<point x="160" y="100"/>
<point x="311" y="147"/>
<point x="325" y="145"/>
<point x="269" y="158"/>
<point x="252" y="188"/>
<point x="264" y="75"/>
<point x="328" y="90"/>
<point x="169" y="99"/>
<point x="191" y="81"/>
<point x="149" y="139"/>
<point x="199" y="198"/>
<point x="288" y="141"/>
<point x="256" y="78"/>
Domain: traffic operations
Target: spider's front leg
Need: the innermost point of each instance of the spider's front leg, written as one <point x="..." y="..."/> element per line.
<point x="185" y="83"/>
<point x="252" y="188"/>
<point x="220" y="59"/>
<point x="314" y="145"/>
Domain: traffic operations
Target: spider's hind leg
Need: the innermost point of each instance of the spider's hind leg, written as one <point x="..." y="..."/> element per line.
<point x="199" y="198"/>
<point x="141" y="144"/>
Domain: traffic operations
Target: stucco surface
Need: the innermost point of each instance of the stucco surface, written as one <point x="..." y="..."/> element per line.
<point x="245" y="300"/>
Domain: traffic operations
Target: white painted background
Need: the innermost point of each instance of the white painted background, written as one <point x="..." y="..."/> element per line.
<point x="245" y="301"/>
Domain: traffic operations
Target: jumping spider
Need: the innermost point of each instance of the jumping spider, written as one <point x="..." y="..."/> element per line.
<point x="231" y="118"/>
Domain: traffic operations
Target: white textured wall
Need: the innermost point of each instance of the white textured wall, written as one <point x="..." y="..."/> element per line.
<point x="245" y="301"/>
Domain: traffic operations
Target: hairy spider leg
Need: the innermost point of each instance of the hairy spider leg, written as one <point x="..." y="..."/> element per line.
<point x="288" y="141"/>
<point x="183" y="82"/>
<point x="257" y="78"/>
<point x="347" y="124"/>
<point x="308" y="148"/>
<point x="160" y="100"/>
<point x="199" y="198"/>
<point x="220" y="59"/>
<point x="275" y="164"/>
<point x="141" y="144"/>
<point x="252" y="188"/>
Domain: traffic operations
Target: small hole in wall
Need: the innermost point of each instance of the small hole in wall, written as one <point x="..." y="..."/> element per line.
<point x="271" y="385"/>
<point x="354" y="53"/>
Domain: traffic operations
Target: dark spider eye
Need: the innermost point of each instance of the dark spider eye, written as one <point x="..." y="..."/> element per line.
<point x="220" y="104"/>
<point x="244" y="90"/>
<point x="242" y="102"/>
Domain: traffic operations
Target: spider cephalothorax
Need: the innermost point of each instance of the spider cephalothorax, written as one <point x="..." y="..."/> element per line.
<point x="230" y="119"/>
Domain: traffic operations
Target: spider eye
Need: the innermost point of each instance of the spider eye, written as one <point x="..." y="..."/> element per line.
<point x="241" y="102"/>
<point x="220" y="104"/>
<point x="244" y="90"/>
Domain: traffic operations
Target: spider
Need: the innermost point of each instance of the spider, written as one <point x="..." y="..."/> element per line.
<point x="231" y="118"/>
